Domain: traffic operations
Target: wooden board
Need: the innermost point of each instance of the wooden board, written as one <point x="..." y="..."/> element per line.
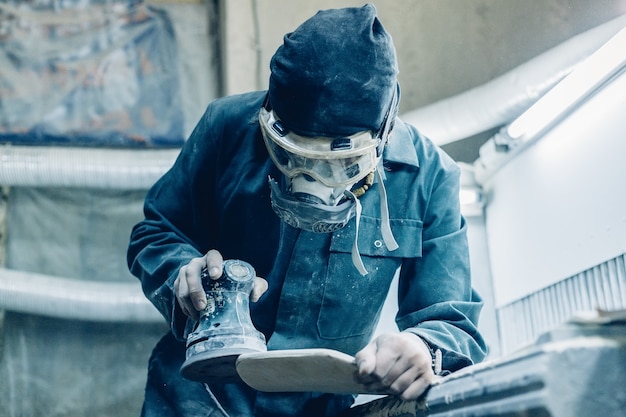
<point x="300" y="370"/>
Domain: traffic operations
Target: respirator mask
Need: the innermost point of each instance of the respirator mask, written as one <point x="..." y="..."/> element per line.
<point x="318" y="173"/>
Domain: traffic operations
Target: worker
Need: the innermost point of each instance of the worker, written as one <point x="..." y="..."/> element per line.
<point x="319" y="186"/>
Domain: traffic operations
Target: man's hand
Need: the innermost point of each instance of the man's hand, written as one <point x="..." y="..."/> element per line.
<point x="397" y="364"/>
<point x="188" y="285"/>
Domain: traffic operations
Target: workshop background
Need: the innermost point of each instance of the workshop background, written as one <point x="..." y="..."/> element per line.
<point x="96" y="97"/>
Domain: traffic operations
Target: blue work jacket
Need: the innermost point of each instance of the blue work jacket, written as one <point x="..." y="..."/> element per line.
<point x="216" y="196"/>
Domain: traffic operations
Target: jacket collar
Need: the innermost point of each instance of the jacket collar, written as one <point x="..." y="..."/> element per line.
<point x="400" y="148"/>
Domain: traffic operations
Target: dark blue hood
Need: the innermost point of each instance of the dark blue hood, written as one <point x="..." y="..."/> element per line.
<point x="335" y="74"/>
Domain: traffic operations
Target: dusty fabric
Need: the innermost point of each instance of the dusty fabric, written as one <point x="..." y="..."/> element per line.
<point x="216" y="196"/>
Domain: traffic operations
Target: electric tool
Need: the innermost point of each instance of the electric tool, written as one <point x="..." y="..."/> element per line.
<point x="224" y="330"/>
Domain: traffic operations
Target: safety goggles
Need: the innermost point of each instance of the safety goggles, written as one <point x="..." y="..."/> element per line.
<point x="334" y="162"/>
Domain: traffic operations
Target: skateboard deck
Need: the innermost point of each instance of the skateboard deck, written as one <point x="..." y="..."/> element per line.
<point x="300" y="370"/>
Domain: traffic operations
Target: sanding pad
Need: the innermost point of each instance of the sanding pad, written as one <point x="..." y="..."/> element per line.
<point x="216" y="366"/>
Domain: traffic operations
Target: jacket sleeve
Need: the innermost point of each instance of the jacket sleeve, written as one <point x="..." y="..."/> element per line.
<point x="436" y="299"/>
<point x="177" y="223"/>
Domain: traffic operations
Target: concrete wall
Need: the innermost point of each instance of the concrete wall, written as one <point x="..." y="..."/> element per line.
<point x="444" y="46"/>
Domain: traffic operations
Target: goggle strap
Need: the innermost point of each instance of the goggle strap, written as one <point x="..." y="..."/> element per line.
<point x="386" y="232"/>
<point x="266" y="102"/>
<point x="388" y="122"/>
<point x="356" y="256"/>
<point x="385" y="226"/>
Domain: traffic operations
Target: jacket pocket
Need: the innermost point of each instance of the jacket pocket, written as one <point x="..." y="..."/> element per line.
<point x="351" y="303"/>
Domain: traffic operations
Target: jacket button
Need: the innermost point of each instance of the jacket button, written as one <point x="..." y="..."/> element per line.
<point x="378" y="243"/>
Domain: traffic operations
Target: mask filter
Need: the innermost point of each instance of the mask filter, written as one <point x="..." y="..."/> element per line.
<point x="306" y="209"/>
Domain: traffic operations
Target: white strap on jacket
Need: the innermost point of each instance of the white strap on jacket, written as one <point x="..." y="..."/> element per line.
<point x="385" y="226"/>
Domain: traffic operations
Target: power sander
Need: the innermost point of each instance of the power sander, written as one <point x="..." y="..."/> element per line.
<point x="224" y="330"/>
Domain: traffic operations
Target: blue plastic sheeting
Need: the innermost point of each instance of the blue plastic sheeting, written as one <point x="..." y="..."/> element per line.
<point x="88" y="73"/>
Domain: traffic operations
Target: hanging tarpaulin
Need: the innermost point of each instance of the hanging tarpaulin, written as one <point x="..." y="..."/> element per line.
<point x="89" y="73"/>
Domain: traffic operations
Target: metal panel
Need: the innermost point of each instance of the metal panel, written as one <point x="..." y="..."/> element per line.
<point x="602" y="287"/>
<point x="575" y="370"/>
